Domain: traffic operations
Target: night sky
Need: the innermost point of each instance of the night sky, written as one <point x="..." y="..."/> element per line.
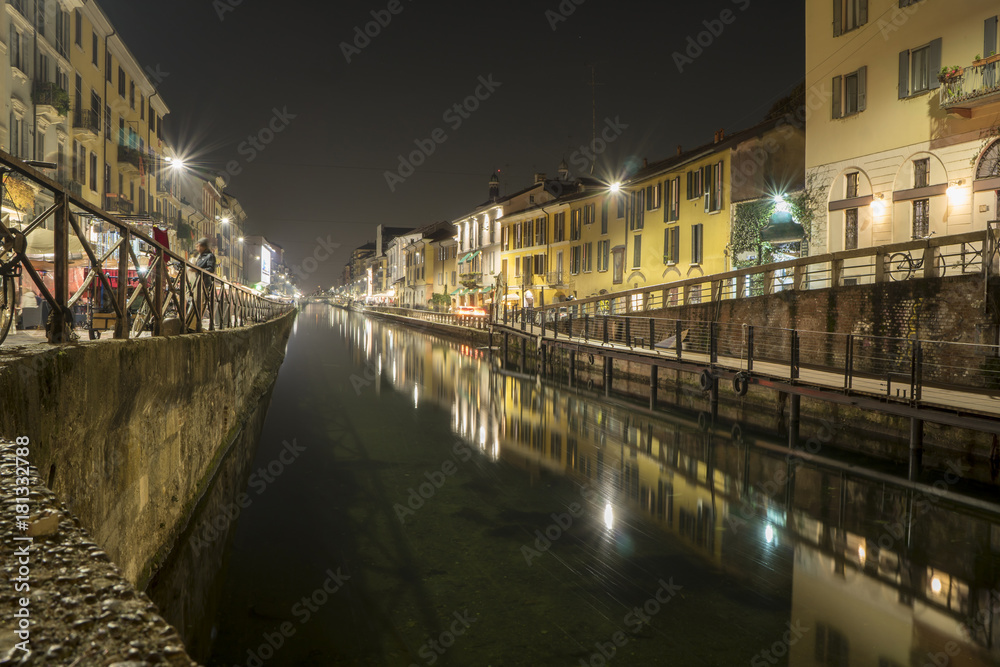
<point x="227" y="65"/>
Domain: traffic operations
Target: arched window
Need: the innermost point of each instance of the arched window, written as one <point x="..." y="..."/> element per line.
<point x="989" y="164"/>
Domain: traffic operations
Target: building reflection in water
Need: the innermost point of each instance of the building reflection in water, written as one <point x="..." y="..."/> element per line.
<point x="870" y="586"/>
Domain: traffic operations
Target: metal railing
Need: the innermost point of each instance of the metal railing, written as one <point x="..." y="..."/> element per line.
<point x="87" y="120"/>
<point x="908" y="369"/>
<point x="165" y="286"/>
<point x="972" y="86"/>
<point x="454" y="319"/>
<point x="934" y="257"/>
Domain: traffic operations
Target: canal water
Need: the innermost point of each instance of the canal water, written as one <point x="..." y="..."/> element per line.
<point x="410" y="503"/>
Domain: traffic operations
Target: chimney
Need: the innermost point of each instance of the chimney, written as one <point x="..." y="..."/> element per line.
<point x="539" y="177"/>
<point x="645" y="163"/>
<point x="680" y="149"/>
<point x="720" y="135"/>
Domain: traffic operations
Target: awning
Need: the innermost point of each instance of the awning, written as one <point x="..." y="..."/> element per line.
<point x="468" y="258"/>
<point x="459" y="292"/>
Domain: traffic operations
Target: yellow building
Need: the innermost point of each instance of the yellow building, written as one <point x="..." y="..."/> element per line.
<point x="427" y="259"/>
<point x="902" y="149"/>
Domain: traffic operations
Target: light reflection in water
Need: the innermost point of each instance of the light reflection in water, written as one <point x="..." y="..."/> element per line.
<point x="823" y="538"/>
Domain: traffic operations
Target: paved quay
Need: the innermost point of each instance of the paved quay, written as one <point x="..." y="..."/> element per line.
<point x="80" y="609"/>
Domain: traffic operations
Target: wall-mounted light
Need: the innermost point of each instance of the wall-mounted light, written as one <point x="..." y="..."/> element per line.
<point x="878" y="204"/>
<point x="954" y="188"/>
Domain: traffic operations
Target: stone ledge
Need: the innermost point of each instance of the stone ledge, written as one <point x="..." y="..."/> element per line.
<point x="83" y="610"/>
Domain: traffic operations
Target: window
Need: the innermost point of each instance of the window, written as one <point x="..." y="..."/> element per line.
<point x="574" y="259"/>
<point x="517" y="267"/>
<point x="540" y="229"/>
<point x="107" y="65"/>
<point x="637" y="251"/>
<point x="921" y="172"/>
<point x="131" y="95"/>
<point x="697" y="243"/>
<point x="529" y="233"/>
<point x="621" y="206"/>
<point x="589" y="214"/>
<point x="93" y="171"/>
<point x="62" y="32"/>
<point x="540" y="265"/>
<point x="921" y="218"/>
<point x="694" y="184"/>
<point x="603" y="254"/>
<point x="851" y="229"/>
<point x="850" y="93"/>
<point x="852" y="185"/>
<point x="604" y="216"/>
<point x="918" y="69"/>
<point x="671" y="245"/>
<point x="142" y="107"/>
<point x="653" y="195"/>
<point x="15" y="135"/>
<point x="107" y="121"/>
<point x="672" y="210"/>
<point x="848" y="15"/>
<point x="575" y="226"/>
<point x="713" y="201"/>
<point x="41" y="14"/>
<point x="517" y="236"/>
<point x="559" y="227"/>
<point x="121" y="83"/>
<point x="832" y="648"/>
<point x="78" y="33"/>
<point x="526" y="266"/>
<point x="639" y="209"/>
<point x="505" y="238"/>
<point x="588" y="260"/>
<point x="93" y="47"/>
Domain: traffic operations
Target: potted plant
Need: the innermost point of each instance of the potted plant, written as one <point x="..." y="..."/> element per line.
<point x="949" y="75"/>
<point x="992" y="58"/>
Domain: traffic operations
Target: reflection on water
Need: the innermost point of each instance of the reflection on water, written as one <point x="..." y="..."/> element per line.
<point x="574" y="530"/>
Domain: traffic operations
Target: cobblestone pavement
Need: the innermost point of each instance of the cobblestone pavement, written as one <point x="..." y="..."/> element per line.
<point x="82" y="611"/>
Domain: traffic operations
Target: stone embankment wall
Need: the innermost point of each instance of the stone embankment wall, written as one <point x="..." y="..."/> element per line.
<point x="128" y="433"/>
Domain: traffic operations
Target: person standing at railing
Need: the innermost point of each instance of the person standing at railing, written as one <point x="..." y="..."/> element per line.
<point x="27" y="310"/>
<point x="205" y="260"/>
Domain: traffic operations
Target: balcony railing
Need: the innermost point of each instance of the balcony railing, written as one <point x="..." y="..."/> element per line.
<point x="87" y="121"/>
<point x="556" y="278"/>
<point x="114" y="203"/>
<point x="129" y="158"/>
<point x="975" y="86"/>
<point x="47" y="93"/>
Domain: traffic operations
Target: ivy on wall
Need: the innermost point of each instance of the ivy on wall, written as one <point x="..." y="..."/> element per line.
<point x="750" y="218"/>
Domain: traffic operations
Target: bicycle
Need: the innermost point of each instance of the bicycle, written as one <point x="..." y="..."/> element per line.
<point x="902" y="266"/>
<point x="12" y="244"/>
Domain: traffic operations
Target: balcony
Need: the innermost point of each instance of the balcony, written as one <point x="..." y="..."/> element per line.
<point x="51" y="101"/>
<point x="86" y="125"/>
<point x="556" y="279"/>
<point x="117" y="204"/>
<point x="129" y="159"/>
<point x="971" y="87"/>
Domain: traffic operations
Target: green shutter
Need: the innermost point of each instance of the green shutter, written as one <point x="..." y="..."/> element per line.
<point x="935" y="63"/>
<point x="862" y="12"/>
<point x="838" y="88"/>
<point x="862" y="88"/>
<point x="904" y="74"/>
<point x="990" y="37"/>
<point x="838" y="12"/>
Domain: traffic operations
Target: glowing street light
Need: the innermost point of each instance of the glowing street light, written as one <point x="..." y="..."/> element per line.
<point x="615" y="187"/>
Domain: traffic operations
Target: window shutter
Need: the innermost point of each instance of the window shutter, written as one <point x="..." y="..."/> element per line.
<point x="666" y="200"/>
<point x="935" y="63"/>
<point x="862" y="12"/>
<point x="990" y="37"/>
<point x="689" y="185"/>
<point x="862" y="88"/>
<point x="838" y="12"/>
<point x="904" y="74"/>
<point x="838" y="108"/>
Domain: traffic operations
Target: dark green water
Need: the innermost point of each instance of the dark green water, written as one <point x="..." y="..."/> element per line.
<point x="411" y="505"/>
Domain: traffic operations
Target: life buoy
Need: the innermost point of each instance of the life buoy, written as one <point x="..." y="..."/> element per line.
<point x="703" y="421"/>
<point x="705" y="380"/>
<point x="590" y="384"/>
<point x="741" y="384"/>
<point x="591" y="359"/>
<point x="737" y="433"/>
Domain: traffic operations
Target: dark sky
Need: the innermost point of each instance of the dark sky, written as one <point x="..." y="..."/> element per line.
<point x="324" y="174"/>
